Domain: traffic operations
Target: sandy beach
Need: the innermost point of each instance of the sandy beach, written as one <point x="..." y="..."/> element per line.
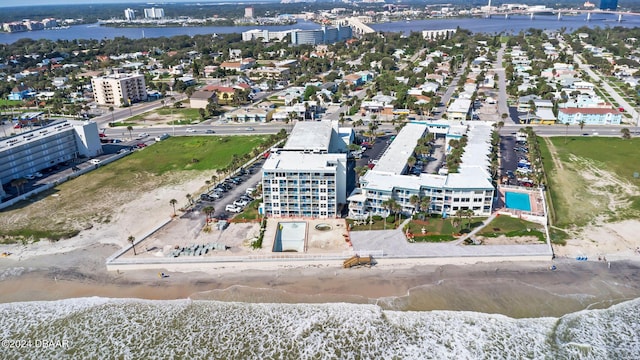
<point x="76" y="268"/>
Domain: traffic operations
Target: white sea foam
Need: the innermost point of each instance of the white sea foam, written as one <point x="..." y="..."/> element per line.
<point x="129" y="328"/>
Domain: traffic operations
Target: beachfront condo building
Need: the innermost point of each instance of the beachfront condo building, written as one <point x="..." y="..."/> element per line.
<point x="468" y="189"/>
<point x="308" y="176"/>
<point x="129" y="14"/>
<point x="45" y="147"/>
<point x="119" y="89"/>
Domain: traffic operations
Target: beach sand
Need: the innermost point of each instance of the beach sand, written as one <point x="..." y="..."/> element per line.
<point x="76" y="268"/>
<point x="518" y="289"/>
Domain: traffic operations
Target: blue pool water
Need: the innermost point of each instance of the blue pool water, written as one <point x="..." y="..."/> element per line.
<point x="518" y="201"/>
<point x="290" y="236"/>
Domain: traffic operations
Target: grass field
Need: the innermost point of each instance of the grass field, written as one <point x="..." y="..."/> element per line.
<point x="182" y="115"/>
<point x="92" y="198"/>
<point x="511" y="227"/>
<point x="591" y="178"/>
<point x="439" y="230"/>
<point x="5" y="102"/>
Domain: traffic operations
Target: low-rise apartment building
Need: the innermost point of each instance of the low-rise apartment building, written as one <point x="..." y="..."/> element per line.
<point x="469" y="189"/>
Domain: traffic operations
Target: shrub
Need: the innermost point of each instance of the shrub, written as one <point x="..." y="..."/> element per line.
<point x="376" y="217"/>
<point x="391" y="219"/>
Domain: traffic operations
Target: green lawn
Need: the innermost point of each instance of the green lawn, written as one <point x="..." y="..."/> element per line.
<point x="250" y="213"/>
<point x="438" y="229"/>
<point x="577" y="192"/>
<point x="89" y="199"/>
<point x="5" y="102"/>
<point x="378" y="224"/>
<point x="188" y="153"/>
<point x="511" y="227"/>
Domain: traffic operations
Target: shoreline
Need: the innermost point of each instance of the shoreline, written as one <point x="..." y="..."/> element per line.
<point x="515" y="289"/>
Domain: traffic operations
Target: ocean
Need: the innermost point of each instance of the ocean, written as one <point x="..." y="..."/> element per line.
<point x="95" y="327"/>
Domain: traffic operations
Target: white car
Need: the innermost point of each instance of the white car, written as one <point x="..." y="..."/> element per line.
<point x="232" y="208"/>
<point x="240" y="203"/>
<point x="249" y="129"/>
<point x="190" y="130"/>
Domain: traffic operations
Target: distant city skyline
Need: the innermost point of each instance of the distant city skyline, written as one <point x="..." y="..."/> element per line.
<point x="100" y="2"/>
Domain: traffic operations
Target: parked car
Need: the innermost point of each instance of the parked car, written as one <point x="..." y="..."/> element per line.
<point x="232" y="208"/>
<point x="141" y="145"/>
<point x="249" y="129"/>
<point x="249" y="191"/>
<point x="29" y="177"/>
<point x="162" y="137"/>
<point x="206" y="197"/>
<point x="240" y="203"/>
<point x="37" y="174"/>
<point x="95" y="161"/>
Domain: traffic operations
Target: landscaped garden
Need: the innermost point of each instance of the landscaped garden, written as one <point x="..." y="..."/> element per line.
<point x="512" y="227"/>
<point x="438" y="229"/>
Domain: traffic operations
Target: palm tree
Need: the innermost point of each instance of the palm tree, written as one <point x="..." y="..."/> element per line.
<point x="581" y="124"/>
<point x="208" y="183"/>
<point x="189" y="199"/>
<point x="500" y="124"/>
<point x="18" y="184"/>
<point x="208" y="210"/>
<point x="425" y="203"/>
<point x="112" y="109"/>
<point x="415" y="201"/>
<point x="626" y="134"/>
<point x="173" y="203"/>
<point x="132" y="240"/>
<point x="214" y="178"/>
<point x="469" y="214"/>
<point x="411" y="161"/>
<point x="458" y="217"/>
<point x="130" y="128"/>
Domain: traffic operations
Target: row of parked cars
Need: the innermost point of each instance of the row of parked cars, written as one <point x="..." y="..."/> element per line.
<point x="219" y="191"/>
<point x="524" y="165"/>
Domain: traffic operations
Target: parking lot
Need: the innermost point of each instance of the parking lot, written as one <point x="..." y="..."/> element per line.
<point x="515" y="168"/>
<point x="230" y="196"/>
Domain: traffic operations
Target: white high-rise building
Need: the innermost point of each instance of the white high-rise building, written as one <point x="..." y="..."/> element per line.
<point x="308" y="176"/>
<point x="154" y="13"/>
<point x="248" y="12"/>
<point x="119" y="89"/>
<point x="129" y="14"/>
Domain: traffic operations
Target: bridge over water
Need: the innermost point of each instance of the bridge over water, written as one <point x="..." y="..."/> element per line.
<point x="559" y="13"/>
<point x="358" y="26"/>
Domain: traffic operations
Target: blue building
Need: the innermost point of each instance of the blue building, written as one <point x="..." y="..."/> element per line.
<point x="608" y="4"/>
<point x="590" y="116"/>
<point x="20" y="92"/>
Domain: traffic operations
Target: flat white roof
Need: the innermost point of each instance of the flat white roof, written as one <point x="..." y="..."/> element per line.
<point x="297" y="161"/>
<point x="460" y="105"/>
<point x="310" y="135"/>
<point x="478" y="146"/>
<point x="394" y="159"/>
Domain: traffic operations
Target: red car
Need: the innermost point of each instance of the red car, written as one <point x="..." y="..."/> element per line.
<point x="621" y="109"/>
<point x="17" y="126"/>
<point x="102" y="135"/>
<point x="141" y="145"/>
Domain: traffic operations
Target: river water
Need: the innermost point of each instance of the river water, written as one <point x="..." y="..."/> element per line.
<point x="492" y="25"/>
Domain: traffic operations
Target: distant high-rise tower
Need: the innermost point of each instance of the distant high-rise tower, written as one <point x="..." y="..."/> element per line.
<point x="154" y="13"/>
<point x="608" y="4"/>
<point x="248" y="12"/>
<point x="129" y="14"/>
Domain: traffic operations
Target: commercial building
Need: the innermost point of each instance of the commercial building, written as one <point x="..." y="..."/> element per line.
<point x="459" y="109"/>
<point x="154" y="13"/>
<point x="248" y="12"/>
<point x="129" y="14"/>
<point x="266" y="35"/>
<point x="324" y="35"/>
<point x="590" y="116"/>
<point x="45" y="147"/>
<point x="608" y="4"/>
<point x="308" y="176"/>
<point x="119" y="89"/>
<point x="469" y="189"/>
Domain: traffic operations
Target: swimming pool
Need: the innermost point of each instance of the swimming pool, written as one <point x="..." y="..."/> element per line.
<point x="290" y="236"/>
<point x="518" y="201"/>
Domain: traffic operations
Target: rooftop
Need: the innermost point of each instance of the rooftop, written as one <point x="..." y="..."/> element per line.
<point x="460" y="105"/>
<point x="297" y="161"/>
<point x="394" y="159"/>
<point x="310" y="135"/>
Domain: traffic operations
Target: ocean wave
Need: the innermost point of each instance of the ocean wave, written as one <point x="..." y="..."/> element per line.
<point x="203" y="329"/>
